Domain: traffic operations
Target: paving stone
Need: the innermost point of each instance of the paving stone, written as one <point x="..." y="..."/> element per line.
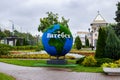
<point x="39" y="73"/>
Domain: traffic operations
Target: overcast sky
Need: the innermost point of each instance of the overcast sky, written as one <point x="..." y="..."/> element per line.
<point x="25" y="14"/>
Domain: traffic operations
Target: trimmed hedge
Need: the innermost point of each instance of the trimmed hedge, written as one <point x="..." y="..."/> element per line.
<point x="24" y="47"/>
<point x="4" y="49"/>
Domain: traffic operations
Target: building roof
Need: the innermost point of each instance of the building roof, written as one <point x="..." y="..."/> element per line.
<point x="99" y="19"/>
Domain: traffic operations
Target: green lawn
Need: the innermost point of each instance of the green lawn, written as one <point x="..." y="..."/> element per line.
<point x="6" y="77"/>
<point x="42" y="63"/>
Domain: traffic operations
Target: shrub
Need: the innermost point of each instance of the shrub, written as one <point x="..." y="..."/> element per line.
<point x="118" y="62"/>
<point x="100" y="61"/>
<point x="89" y="61"/>
<point x="112" y="48"/>
<point x="80" y="60"/>
<point x="110" y="65"/>
<point x="78" y="43"/>
<point x="101" y="43"/>
<point x="39" y="46"/>
<point x="4" y="49"/>
<point x="24" y="47"/>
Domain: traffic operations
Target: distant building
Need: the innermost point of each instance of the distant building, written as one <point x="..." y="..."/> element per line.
<point x="82" y="35"/>
<point x="92" y="35"/>
<point x="11" y="40"/>
<point x="98" y="22"/>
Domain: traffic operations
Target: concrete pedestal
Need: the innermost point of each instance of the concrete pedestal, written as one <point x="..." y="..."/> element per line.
<point x="57" y="61"/>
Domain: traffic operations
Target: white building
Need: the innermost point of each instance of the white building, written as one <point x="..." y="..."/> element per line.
<point x="92" y="34"/>
<point x="98" y="22"/>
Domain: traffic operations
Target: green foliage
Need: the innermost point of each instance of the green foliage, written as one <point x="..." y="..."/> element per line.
<point x="112" y="48"/>
<point x="86" y="42"/>
<point x="2" y="34"/>
<point x="29" y="39"/>
<point x="100" y="61"/>
<point x="78" y="43"/>
<point x="39" y="46"/>
<point x="18" y="43"/>
<point x="89" y="61"/>
<point x="8" y="33"/>
<point x="101" y="43"/>
<point x="115" y="64"/>
<point x="24" y="47"/>
<point x="23" y="55"/>
<point x="78" y="68"/>
<point x="51" y="19"/>
<point x="6" y="77"/>
<point x="118" y="62"/>
<point x="4" y="49"/>
<point x="25" y="42"/>
<point x="117" y="28"/>
<point x="110" y="65"/>
<point x="80" y="60"/>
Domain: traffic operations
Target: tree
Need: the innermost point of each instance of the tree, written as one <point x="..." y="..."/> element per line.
<point x="117" y="28"/>
<point x="78" y="43"/>
<point x="7" y="33"/>
<point x="25" y="42"/>
<point x="2" y="35"/>
<point x="51" y="19"/>
<point x="112" y="48"/>
<point x="86" y="41"/>
<point x="18" y="43"/>
<point x="101" y="43"/>
<point x="40" y="46"/>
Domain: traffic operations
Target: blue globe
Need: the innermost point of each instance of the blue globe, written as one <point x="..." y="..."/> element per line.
<point x="57" y="40"/>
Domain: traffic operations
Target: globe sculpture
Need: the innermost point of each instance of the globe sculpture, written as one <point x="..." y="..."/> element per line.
<point x="57" y="40"/>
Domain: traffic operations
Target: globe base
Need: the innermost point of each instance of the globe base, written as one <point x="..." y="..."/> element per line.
<point x="57" y="61"/>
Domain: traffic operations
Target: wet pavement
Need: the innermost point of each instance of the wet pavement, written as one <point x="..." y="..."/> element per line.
<point x="39" y="73"/>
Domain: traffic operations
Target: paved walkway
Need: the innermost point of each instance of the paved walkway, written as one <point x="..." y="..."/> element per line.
<point x="36" y="73"/>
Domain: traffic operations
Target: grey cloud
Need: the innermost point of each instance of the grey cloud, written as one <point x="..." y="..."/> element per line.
<point x="80" y="12"/>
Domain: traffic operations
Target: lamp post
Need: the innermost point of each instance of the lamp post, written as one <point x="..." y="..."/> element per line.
<point x="91" y="35"/>
<point x="92" y="40"/>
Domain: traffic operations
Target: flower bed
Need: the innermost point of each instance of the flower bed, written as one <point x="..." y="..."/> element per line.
<point x="112" y="68"/>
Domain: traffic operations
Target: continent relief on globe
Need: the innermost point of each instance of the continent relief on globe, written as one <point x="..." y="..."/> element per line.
<point x="59" y="38"/>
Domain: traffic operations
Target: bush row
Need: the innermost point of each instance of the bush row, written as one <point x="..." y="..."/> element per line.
<point x="91" y="61"/>
<point x="4" y="49"/>
<point x="115" y="64"/>
<point x="24" y="47"/>
<point x="34" y="56"/>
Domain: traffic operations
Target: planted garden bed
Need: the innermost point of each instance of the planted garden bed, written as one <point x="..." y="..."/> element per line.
<point x="112" y="71"/>
<point x="112" y="68"/>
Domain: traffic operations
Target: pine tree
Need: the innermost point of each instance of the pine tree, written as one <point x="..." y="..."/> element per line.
<point x="117" y="28"/>
<point x="101" y="43"/>
<point x="112" y="48"/>
<point x="86" y="41"/>
<point x="78" y="43"/>
<point x="18" y="43"/>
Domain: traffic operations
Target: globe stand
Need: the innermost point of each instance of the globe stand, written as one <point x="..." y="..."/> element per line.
<point x="57" y="61"/>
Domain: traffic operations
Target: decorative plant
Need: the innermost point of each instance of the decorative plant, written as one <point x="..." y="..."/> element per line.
<point x="89" y="61"/>
<point x="110" y="65"/>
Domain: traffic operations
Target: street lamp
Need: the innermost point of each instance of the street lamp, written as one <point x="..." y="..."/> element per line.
<point x="92" y="40"/>
<point x="91" y="35"/>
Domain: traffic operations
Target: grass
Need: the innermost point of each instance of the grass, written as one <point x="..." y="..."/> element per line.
<point x="81" y="68"/>
<point x="42" y="63"/>
<point x="6" y="77"/>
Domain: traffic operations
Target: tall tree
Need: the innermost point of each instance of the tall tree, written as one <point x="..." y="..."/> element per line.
<point x="112" y="48"/>
<point x="51" y="19"/>
<point x="101" y="43"/>
<point x="78" y="43"/>
<point x="86" y="41"/>
<point x="117" y="28"/>
<point x="2" y="34"/>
